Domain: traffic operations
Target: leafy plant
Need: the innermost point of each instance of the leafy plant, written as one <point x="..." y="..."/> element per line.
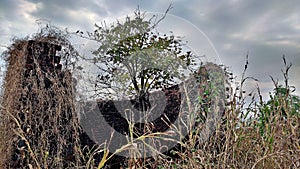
<point x="134" y="58"/>
<point x="282" y="102"/>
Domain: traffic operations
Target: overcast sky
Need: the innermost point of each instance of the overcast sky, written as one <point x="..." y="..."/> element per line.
<point x="264" y="29"/>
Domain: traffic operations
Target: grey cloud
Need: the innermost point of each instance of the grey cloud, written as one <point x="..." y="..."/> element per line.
<point x="119" y="5"/>
<point x="15" y="19"/>
<point x="69" y="5"/>
<point x="7" y="8"/>
<point x="60" y="12"/>
<point x="224" y="20"/>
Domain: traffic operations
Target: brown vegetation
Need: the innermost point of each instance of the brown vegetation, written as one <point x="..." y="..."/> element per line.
<point x="39" y="124"/>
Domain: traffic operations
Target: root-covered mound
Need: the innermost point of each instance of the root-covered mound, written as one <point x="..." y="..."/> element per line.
<point x="38" y="121"/>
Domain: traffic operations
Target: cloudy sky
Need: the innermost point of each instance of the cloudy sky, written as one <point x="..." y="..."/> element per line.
<point x="232" y="28"/>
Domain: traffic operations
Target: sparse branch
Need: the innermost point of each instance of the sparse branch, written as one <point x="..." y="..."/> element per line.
<point x="163" y="17"/>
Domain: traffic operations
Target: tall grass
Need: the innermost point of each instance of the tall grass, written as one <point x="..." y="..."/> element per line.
<point x="269" y="138"/>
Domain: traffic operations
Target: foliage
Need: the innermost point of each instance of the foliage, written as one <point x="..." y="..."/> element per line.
<point x="134" y="58"/>
<point x="281" y="102"/>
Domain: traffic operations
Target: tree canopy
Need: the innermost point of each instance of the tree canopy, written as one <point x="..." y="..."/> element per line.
<point x="134" y="58"/>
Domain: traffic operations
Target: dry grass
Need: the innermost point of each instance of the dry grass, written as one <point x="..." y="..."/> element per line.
<point x="270" y="139"/>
